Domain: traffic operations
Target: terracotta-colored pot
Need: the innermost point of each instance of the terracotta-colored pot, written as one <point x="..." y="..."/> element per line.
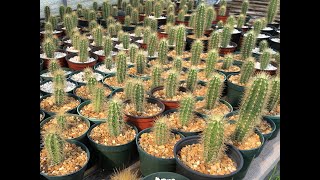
<point x="143" y="46"/>
<point x="208" y="32"/>
<point x="121" y="19"/>
<point x="224" y="51"/>
<point x="169" y="104"/>
<point x="141" y="17"/>
<point x="100" y="58"/>
<point x="62" y="61"/>
<point x="80" y="66"/>
<point x="222" y="18"/>
<point x="143" y="122"/>
<point x="162" y="34"/>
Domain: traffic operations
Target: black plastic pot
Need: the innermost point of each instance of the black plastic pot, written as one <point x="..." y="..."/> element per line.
<point x="274" y="45"/>
<point x="46" y="93"/>
<point x="276" y="120"/>
<point x="92" y="120"/>
<point x="236" y="38"/>
<point x="128" y="28"/>
<point x="41" y="64"/>
<point x="261" y="39"/>
<point x="48" y="78"/>
<point x="199" y="98"/>
<point x="43" y="116"/>
<point x="166" y="175"/>
<point x="274" y="24"/>
<point x="267" y="136"/>
<point x="82" y="83"/>
<point x="75" y="175"/>
<point x="71" y="111"/>
<point x="83" y="99"/>
<point x="113" y="93"/>
<point x="83" y="23"/>
<point x="114" y="156"/>
<point x="234" y="93"/>
<point x="184" y="170"/>
<point x="150" y="164"/>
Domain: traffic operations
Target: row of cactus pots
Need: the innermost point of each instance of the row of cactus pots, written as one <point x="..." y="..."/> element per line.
<point x="159" y="80"/>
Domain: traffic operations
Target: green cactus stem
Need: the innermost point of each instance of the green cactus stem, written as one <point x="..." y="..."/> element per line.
<point x="211" y="61"/>
<point x="59" y="95"/>
<point x="214" y="40"/>
<point x="106" y="10"/>
<point x="54" y="145"/>
<point x="68" y="10"/>
<point x="226" y="36"/>
<point x="54" y="21"/>
<point x="133" y="50"/>
<point x="257" y="26"/>
<point x="161" y="131"/>
<point x="62" y="12"/>
<point x="146" y="35"/>
<point x="156" y="76"/>
<point x="62" y="123"/>
<point x="92" y="24"/>
<point x="172" y="36"/>
<point x="231" y="21"/>
<point x="157" y="9"/>
<point x="265" y="58"/>
<point x="248" y="44"/>
<point x="128" y="88"/>
<point x="98" y="98"/>
<point x="141" y="63"/>
<point x="48" y="27"/>
<point x="108" y="62"/>
<point x="115" y="117"/>
<point x="263" y="45"/>
<point x="154" y="24"/>
<point x="138" y="96"/>
<point x="47" y="13"/>
<point x="95" y="6"/>
<point x="107" y="46"/>
<point x="272" y="10"/>
<point x="148" y="7"/>
<point x="177" y="64"/>
<point x="121" y="64"/>
<point x="222" y="11"/>
<point x="135" y="16"/>
<point x="59" y="78"/>
<point x="187" y="105"/>
<point x="180" y="39"/>
<point x="98" y="35"/>
<point x="171" y="18"/>
<point x="192" y="79"/>
<point x="241" y="21"/>
<point x="181" y="15"/>
<point x="227" y="62"/>
<point x="247" y="70"/>
<point x="53" y="66"/>
<point x="83" y="49"/>
<point x="200" y="20"/>
<point x="163" y="51"/>
<point x="244" y="7"/>
<point x="114" y="11"/>
<point x="210" y="16"/>
<point x="49" y="48"/>
<point x="126" y="40"/>
<point x="215" y="87"/>
<point x="152" y="44"/>
<point x="171" y="84"/>
<point x="274" y="96"/>
<point x="196" y="50"/>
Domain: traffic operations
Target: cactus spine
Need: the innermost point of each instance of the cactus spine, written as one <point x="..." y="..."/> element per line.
<point x="265" y="58"/>
<point x="226" y="36"/>
<point x="128" y="9"/>
<point x="263" y="45"/>
<point x="171" y="36"/>
<point x="241" y="20"/>
<point x="257" y="26"/>
<point x="181" y="15"/>
<point x="138" y="31"/>
<point x="133" y="52"/>
<point x="121" y="67"/>
<point x="146" y="35"/>
<point x="47" y="13"/>
<point x="92" y="15"/>
<point x="248" y="44"/>
<point x="62" y="12"/>
<point x="107" y="46"/>
<point x="148" y="7"/>
<point x="222" y="10"/>
<point x="112" y="30"/>
<point x="74" y="17"/>
<point x="180" y="39"/>
<point x="53" y="66"/>
<point x="68" y="23"/>
<point x="127" y="20"/>
<point x="54" y="21"/>
<point x="154" y="24"/>
<point x="126" y="40"/>
<point x="213" y="139"/>
<point x="98" y="98"/>
<point x="274" y="96"/>
<point x="211" y="61"/>
<point x="215" y="86"/>
<point x="244" y="7"/>
<point x="210" y="16"/>
<point x="163" y="51"/>
<point x="75" y="39"/>
<point x="59" y="95"/>
<point x="157" y="10"/>
<point x="141" y="62"/>
<point x="106" y="10"/>
<point x="196" y="50"/>
<point x="171" y="18"/>
<point x="177" y="64"/>
<point x="186" y="109"/>
<point x="135" y="16"/>
<point x="152" y="44"/>
<point x="171" y="86"/>
<point x="192" y="79"/>
<point x="247" y="70"/>
<point x="200" y="19"/>
<point x="49" y="48"/>
<point x="156" y="76"/>
<point x="97" y="35"/>
<point x="227" y="62"/>
<point x="272" y="10"/>
<point x="138" y="96"/>
<point x="95" y="6"/>
<point x="92" y="24"/>
<point x="54" y="145"/>
<point x="192" y="20"/>
<point x="214" y="40"/>
<point x="108" y="62"/>
<point x="114" y="119"/>
<point x="161" y="131"/>
<point x="83" y="49"/>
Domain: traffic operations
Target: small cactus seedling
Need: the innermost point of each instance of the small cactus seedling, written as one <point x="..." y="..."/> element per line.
<point x="53" y="66"/>
<point x="211" y="61"/>
<point x="163" y="51"/>
<point x="54" y="144"/>
<point x="172" y="36"/>
<point x="210" y="16"/>
<point x="220" y="24"/>
<point x="274" y="96"/>
<point x="247" y="70"/>
<point x="222" y="10"/>
<point x="127" y="20"/>
<point x="47" y="13"/>
<point x="156" y="76"/>
<point x="241" y="20"/>
<point x="59" y="78"/>
<point x="92" y="24"/>
<point x="141" y="62"/>
<point x="121" y="64"/>
<point x="272" y="10"/>
<point x="83" y="49"/>
<point x="126" y="40"/>
<point x="106" y="10"/>
<point x="244" y="7"/>
<point x="200" y="20"/>
<point x="252" y="105"/>
<point x="95" y="6"/>
<point x="59" y="95"/>
<point x="114" y="11"/>
<point x="161" y="131"/>
<point x="98" y="35"/>
<point x="215" y="87"/>
<point x="231" y="21"/>
<point x="171" y="18"/>
<point x="148" y="7"/>
<point x="62" y="11"/>
<point x="138" y="32"/>
<point x="49" y="48"/>
<point x="54" y="21"/>
<point x="152" y="44"/>
<point x="115" y="117"/>
<point x="248" y="44"/>
<point x="226" y="35"/>
<point x="108" y="62"/>
<point x="62" y="123"/>
<point x="196" y="50"/>
<point x="107" y="46"/>
<point x="128" y="9"/>
<point x="171" y="85"/>
<point x="180" y="39"/>
<point x="265" y="58"/>
<point x="192" y="79"/>
<point x="177" y="64"/>
<point x="154" y="24"/>
<point x="157" y="9"/>
<point x="135" y="16"/>
<point x="181" y="15"/>
<point x="263" y="45"/>
<point x="98" y="98"/>
<point x="68" y="10"/>
<point x="138" y="96"/>
<point x="133" y="50"/>
<point x="75" y="39"/>
<point x="213" y="139"/>
<point x="128" y="88"/>
<point x="257" y="26"/>
<point x="227" y="62"/>
<point x="214" y="40"/>
<point x="187" y="105"/>
<point x="112" y="30"/>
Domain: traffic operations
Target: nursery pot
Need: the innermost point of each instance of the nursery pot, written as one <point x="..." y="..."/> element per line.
<point x="266" y="136"/>
<point x="71" y="111"/>
<point x="184" y="170"/>
<point x="227" y="50"/>
<point x="77" y="175"/>
<point x="166" y="175"/>
<point x="274" y="24"/>
<point x="49" y="78"/>
<point x="41" y="64"/>
<point x="101" y="64"/>
<point x="189" y="42"/>
<point x="141" y="17"/>
<point x="83" y="23"/>
<point x="43" y="115"/>
<point x="222" y="18"/>
<point x="150" y="164"/>
<point x="162" y="34"/>
<point x="276" y="120"/>
<point x="45" y="93"/>
<point x="80" y="85"/>
<point x="270" y="72"/>
<point x="236" y="38"/>
<point x="113" y="156"/>
<point x="128" y="28"/>
<point x="186" y="23"/>
<point x="80" y="66"/>
<point x="260" y="39"/>
<point x="220" y="100"/>
<point x="121" y="19"/>
<point x="273" y="44"/>
<point x="168" y="104"/>
<point x="83" y="83"/>
<point x="234" y="92"/>
<point x="100" y="58"/>
<point x="61" y="61"/>
<point x="143" y="122"/>
<point x="92" y="120"/>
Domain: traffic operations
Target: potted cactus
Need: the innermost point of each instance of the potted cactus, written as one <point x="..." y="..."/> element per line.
<point x="226" y="46"/>
<point x="272" y="12"/>
<point x="180" y="38"/>
<point x="125" y="42"/>
<point x="83" y="59"/>
<point x="195" y="60"/>
<point x="51" y="51"/>
<point x="113" y="139"/>
<point x="227" y="66"/>
<point x="222" y="14"/>
<point x="126" y="173"/>
<point x="61" y="159"/>
<point x="146" y="34"/>
<point x="82" y="77"/>
<point x="98" y="36"/>
<point x="217" y="160"/>
<point x="210" y="17"/>
<point x="141" y="111"/>
<point x="88" y="15"/>
<point x="127" y="24"/>
<point x="181" y="18"/>
<point x="265" y="63"/>
<point x="155" y="147"/>
<point x="248" y="44"/>
<point x="241" y="24"/>
<point x="140" y="70"/>
<point x="164" y="30"/>
<point x="52" y="67"/>
<point x="105" y="50"/>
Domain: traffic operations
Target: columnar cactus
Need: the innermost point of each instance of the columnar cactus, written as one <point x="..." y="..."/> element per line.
<point x="121" y="64"/>
<point x="192" y="20"/>
<point x="222" y="10"/>
<point x="274" y="96"/>
<point x="83" y="49"/>
<point x="170" y="8"/>
<point x="119" y="35"/>
<point x="180" y="39"/>
<point x="214" y="40"/>
<point x="251" y="107"/>
<point x="62" y="123"/>
<point x="184" y="8"/>
<point x="148" y="7"/>
<point x="263" y="45"/>
<point x="59" y="95"/>
<point x="187" y="105"/>
<point x="257" y="26"/>
<point x="227" y="62"/>
<point x="138" y="31"/>
<point x="119" y="4"/>
<point x="128" y="9"/>
<point x="54" y="145"/>
<point x="241" y="20"/>
<point x="114" y="11"/>
<point x="146" y="22"/>
<point x="47" y="13"/>
<point x="95" y="6"/>
<point x="59" y="78"/>
<point x="128" y="88"/>
<point x="168" y="27"/>
<point x="247" y="70"/>
<point x="62" y="11"/>
<point x="146" y="35"/>
<point x="264" y="22"/>
<point x="272" y="10"/>
<point x="210" y="16"/>
<point x="126" y="40"/>
<point x="110" y="20"/>
<point x="211" y="61"/>
<point x="85" y="13"/>
<point x="177" y="64"/>
<point x="220" y="24"/>
<point x="133" y="50"/>
<point x="213" y="139"/>
<point x="157" y="9"/>
<point x="171" y="18"/>
<point x="172" y="36"/>
<point x="156" y="76"/>
<point x="215" y="87"/>
<point x="248" y="44"/>
<point x="196" y="50"/>
<point x="192" y="79"/>
<point x="98" y="35"/>
<point x="68" y="23"/>
<point x="53" y="66"/>
<point x="181" y="15"/>
<point x="141" y="9"/>
<point x="68" y="10"/>
<point x="163" y="51"/>
<point x="92" y="24"/>
<point x="135" y="16"/>
<point x="107" y="46"/>
<point x="124" y="5"/>
<point x="74" y="17"/>
<point x="231" y="21"/>
<point x="75" y="39"/>
<point x="98" y="98"/>
<point x="106" y="10"/>
<point x="88" y="72"/>
<point x="79" y="10"/>
<point x="48" y="27"/>
<point x="92" y="15"/>
<point x="161" y="131"/>
<point x="200" y="19"/>
<point x="152" y="44"/>
<point x="112" y="30"/>
<point x="118" y="26"/>
<point x="171" y="85"/>
<point x="108" y="62"/>
<point x="154" y="24"/>
<point x="91" y="84"/>
<point x="244" y="7"/>
<point x="190" y="5"/>
<point x="138" y="96"/>
<point x="141" y="62"/>
<point x="265" y="58"/>
<point x="115" y="117"/>
<point x="127" y="20"/>
<point x="49" y="48"/>
<point x="182" y="3"/>
<point x="54" y="21"/>
<point x="135" y="3"/>
<point x="226" y="35"/>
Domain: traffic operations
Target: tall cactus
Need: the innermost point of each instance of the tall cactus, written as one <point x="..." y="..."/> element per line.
<point x="172" y="36"/>
<point x="49" y="48"/>
<point x="133" y="50"/>
<point x="163" y="51"/>
<point x="210" y="16"/>
<point x="135" y="16"/>
<point x="192" y="79"/>
<point x="141" y="9"/>
<point x="231" y="21"/>
<point x="141" y="62"/>
<point x="59" y="95"/>
<point x="107" y="46"/>
<point x="127" y="20"/>
<point x="108" y="62"/>
<point x="157" y="9"/>
<point x="170" y="8"/>
<point x="62" y="11"/>
<point x="272" y="10"/>
<point x="128" y="88"/>
<point x="222" y="10"/>
<point x="138" y="96"/>
<point x="54" y="21"/>
<point x="88" y="72"/>
<point x="177" y="64"/>
<point x="146" y="35"/>
<point x="92" y="24"/>
<point x="106" y="10"/>
<point x="83" y="49"/>
<point x="146" y="22"/>
<point x="227" y="62"/>
<point x="252" y="105"/>
<point x="112" y="30"/>
<point x="180" y="39"/>
<point x="181" y="15"/>
<point x="211" y="61"/>
<point x="214" y="40"/>
<point x="226" y="35"/>
<point x="171" y="18"/>
<point x="265" y="58"/>
<point x="247" y="70"/>
<point x="257" y="26"/>
<point x="59" y="78"/>
<point x="171" y="85"/>
<point x="98" y="35"/>
<point x="196" y="50"/>
<point x="274" y="96"/>
<point x="241" y="21"/>
<point x="128" y="9"/>
<point x="54" y="145"/>
<point x="74" y="17"/>
<point x="215" y="87"/>
<point x="148" y="7"/>
<point x="53" y="66"/>
<point x="200" y="19"/>
<point x="95" y="6"/>
<point x="244" y="7"/>
<point x="68" y="23"/>
<point x="85" y="13"/>
<point x="213" y="139"/>
<point x="187" y="105"/>
<point x="121" y="64"/>
<point x="152" y="44"/>
<point x="192" y="20"/>
<point x="190" y="5"/>
<point x="126" y="40"/>
<point x="98" y="98"/>
<point x="62" y="123"/>
<point x="248" y="44"/>
<point x="154" y="24"/>
<point x="115" y="117"/>
<point x="263" y="45"/>
<point x="156" y="76"/>
<point x="75" y="39"/>
<point x="47" y="13"/>
<point x="161" y="131"/>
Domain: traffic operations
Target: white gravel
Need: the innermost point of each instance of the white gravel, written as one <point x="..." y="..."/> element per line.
<point x="161" y="17"/>
<point x="140" y="41"/>
<point x="120" y="47"/>
<point x="71" y="49"/>
<point x="257" y="51"/>
<point x="90" y="37"/>
<point x="157" y="178"/>
<point x="114" y="39"/>
<point x="267" y="29"/>
<point x="103" y="68"/>
<point x="48" y="87"/>
<point x="236" y="26"/>
<point x="260" y="36"/>
<point x="132" y="35"/>
<point x="101" y="53"/>
<point x="75" y="59"/>
<point x="68" y="41"/>
<point x="54" y="32"/>
<point x="229" y="46"/>
<point x="57" y="55"/>
<point x="270" y="67"/>
<point x="48" y="74"/>
<point x="235" y="31"/>
<point x="79" y="77"/>
<point x="277" y="40"/>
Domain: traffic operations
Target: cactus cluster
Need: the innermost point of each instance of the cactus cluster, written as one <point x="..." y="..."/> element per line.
<point x="263" y="45"/>
<point x="54" y="145"/>
<point x="200" y="20"/>
<point x="98" y="35"/>
<point x="121" y="64"/>
<point x="196" y="50"/>
<point x="171" y="85"/>
<point x="181" y="15"/>
<point x="265" y="58"/>
<point x="244" y="7"/>
<point x="126" y="40"/>
<point x="214" y="40"/>
<point x="163" y="51"/>
<point x="177" y="64"/>
<point x="247" y="70"/>
<point x="152" y="44"/>
<point x="47" y="13"/>
<point x="274" y="96"/>
<point x="138" y="96"/>
<point x="135" y="16"/>
<point x="241" y="20"/>
<point x="211" y="61"/>
<point x="141" y="63"/>
<point x="227" y="61"/>
<point x="115" y="117"/>
<point x="172" y="36"/>
<point x="252" y="105"/>
<point x="180" y="39"/>
<point x="213" y="93"/>
<point x="106" y="10"/>
<point x="248" y="44"/>
<point x="222" y="10"/>
<point x="210" y="16"/>
<point x="83" y="49"/>
<point x="98" y="98"/>
<point x="187" y="105"/>
<point x="272" y="10"/>
<point x="161" y="131"/>
<point x="157" y="9"/>
<point x="49" y="48"/>
<point x="226" y="35"/>
<point x="133" y="50"/>
<point x="192" y="79"/>
<point x="156" y="76"/>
